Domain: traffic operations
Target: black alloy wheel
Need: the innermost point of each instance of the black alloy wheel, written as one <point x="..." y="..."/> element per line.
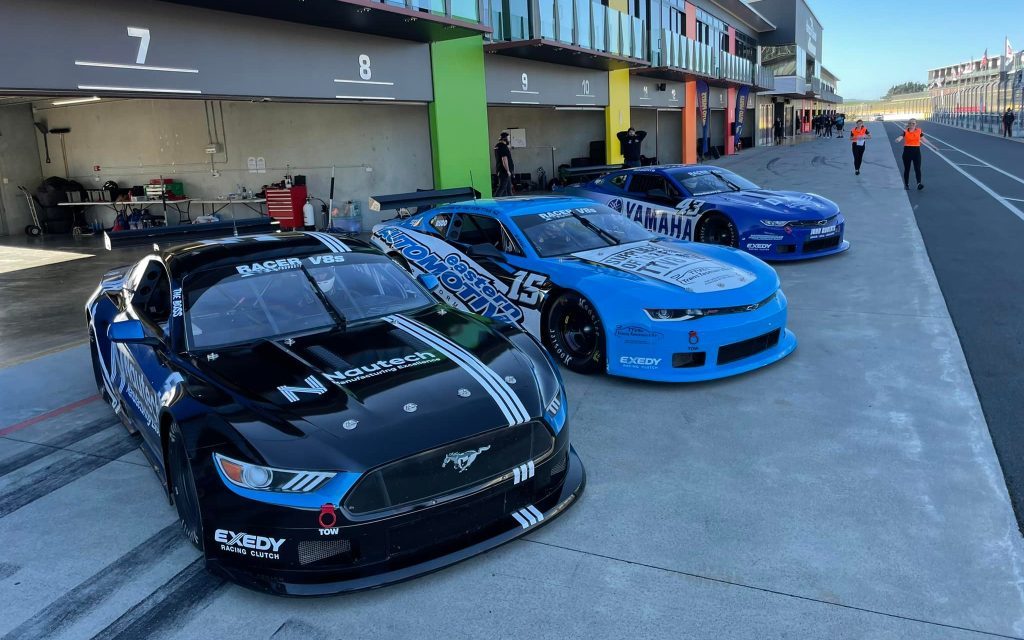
<point x="716" y="228"/>
<point x="574" y="334"/>
<point x="183" y="488"/>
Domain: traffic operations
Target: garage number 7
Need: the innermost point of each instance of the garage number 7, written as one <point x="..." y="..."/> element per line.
<point x="143" y="35"/>
<point x="525" y="287"/>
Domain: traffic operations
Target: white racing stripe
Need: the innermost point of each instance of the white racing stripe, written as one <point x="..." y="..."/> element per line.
<point x="329" y="241"/>
<point x="503" y="395"/>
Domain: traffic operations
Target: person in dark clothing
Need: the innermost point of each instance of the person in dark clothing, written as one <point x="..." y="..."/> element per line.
<point x="859" y="135"/>
<point x="827" y="126"/>
<point x="840" y="123"/>
<point x="911" y="139"/>
<point x="816" y="125"/>
<point x="629" y="143"/>
<point x="1008" y="119"/>
<point x="779" y="129"/>
<point x="503" y="166"/>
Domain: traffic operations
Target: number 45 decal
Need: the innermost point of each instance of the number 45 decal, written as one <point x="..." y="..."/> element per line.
<point x="525" y="287"/>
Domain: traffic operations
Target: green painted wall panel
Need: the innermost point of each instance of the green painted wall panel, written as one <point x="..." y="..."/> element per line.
<point x="458" y="115"/>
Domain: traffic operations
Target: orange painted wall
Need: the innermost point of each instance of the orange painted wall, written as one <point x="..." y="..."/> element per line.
<point x="689" y="113"/>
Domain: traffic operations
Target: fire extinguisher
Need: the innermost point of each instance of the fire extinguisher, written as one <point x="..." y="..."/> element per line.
<point x="308" y="219"/>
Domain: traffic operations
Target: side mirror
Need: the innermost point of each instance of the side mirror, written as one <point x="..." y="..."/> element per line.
<point x="130" y="332"/>
<point x="428" y="280"/>
<point x="485" y="250"/>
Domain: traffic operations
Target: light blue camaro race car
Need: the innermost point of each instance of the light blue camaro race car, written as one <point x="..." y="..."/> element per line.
<point x="715" y="206"/>
<point x="601" y="292"/>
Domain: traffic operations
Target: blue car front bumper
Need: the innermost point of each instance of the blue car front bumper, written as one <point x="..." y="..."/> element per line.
<point x="795" y="243"/>
<point x="702" y="349"/>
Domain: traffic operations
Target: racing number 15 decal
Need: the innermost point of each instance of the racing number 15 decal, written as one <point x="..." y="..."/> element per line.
<point x="525" y="288"/>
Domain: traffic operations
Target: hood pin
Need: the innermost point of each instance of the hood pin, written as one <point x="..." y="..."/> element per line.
<point x="464" y="393"/>
<point x="409" y="408"/>
<point x="510" y="379"/>
<point x="210" y="357"/>
<point x="349" y="425"/>
<point x="289" y="341"/>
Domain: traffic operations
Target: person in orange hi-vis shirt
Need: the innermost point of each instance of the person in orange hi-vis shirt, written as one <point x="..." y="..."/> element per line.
<point x="858" y="136"/>
<point x="911" y="139"/>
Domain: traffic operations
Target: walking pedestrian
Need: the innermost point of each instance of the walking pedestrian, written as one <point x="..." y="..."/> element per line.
<point x="911" y="140"/>
<point x="629" y="143"/>
<point x="778" y="130"/>
<point x="859" y="134"/>
<point x="503" y="166"/>
<point x="1008" y="119"/>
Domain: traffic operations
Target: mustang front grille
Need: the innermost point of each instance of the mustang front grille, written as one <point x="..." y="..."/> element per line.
<point x="447" y="472"/>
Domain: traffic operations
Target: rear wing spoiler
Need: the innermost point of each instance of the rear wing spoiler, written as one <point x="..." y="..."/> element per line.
<point x="422" y="198"/>
<point x="182" y="233"/>
<point x="576" y="175"/>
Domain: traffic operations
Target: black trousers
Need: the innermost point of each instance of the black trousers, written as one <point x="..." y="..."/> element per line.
<point x="1007" y="129"/>
<point x="858" y="155"/>
<point x="911" y="156"/>
<point x="504" y="184"/>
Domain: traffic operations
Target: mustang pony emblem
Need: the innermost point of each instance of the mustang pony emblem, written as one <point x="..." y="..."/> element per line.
<point x="461" y="460"/>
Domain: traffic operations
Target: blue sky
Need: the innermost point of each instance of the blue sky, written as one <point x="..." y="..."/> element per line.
<point x="874" y="44"/>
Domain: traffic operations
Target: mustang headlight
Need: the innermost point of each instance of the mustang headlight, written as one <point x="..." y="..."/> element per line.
<point x="775" y="223"/>
<point x="674" y="314"/>
<point x="260" y="478"/>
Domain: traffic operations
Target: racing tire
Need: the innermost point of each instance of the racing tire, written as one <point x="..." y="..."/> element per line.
<point x="33" y="231"/>
<point x="574" y="335"/>
<point x="716" y="228"/>
<point x="183" y="488"/>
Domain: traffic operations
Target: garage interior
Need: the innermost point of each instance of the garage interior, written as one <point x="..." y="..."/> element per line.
<point x="217" y="149"/>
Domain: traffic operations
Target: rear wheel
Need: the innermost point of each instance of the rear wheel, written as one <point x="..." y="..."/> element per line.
<point x="716" y="228"/>
<point x="33" y="231"/>
<point x="574" y="333"/>
<point x="183" y="488"/>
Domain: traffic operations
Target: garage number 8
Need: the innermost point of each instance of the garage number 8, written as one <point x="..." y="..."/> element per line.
<point x="364" y="67"/>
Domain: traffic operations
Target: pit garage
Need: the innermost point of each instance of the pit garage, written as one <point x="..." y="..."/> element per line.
<point x="657" y="108"/>
<point x="218" y="124"/>
<point x="554" y="113"/>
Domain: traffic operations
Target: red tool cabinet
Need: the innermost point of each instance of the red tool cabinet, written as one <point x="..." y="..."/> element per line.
<point x="285" y="206"/>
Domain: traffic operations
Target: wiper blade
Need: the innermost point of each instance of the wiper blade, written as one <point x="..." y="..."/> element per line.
<point x="335" y="313"/>
<point x="726" y="181"/>
<point x="596" y="229"/>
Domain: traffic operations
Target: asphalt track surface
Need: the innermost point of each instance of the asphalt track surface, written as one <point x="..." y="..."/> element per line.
<point x="971" y="215"/>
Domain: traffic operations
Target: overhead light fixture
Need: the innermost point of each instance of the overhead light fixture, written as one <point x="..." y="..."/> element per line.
<point x="61" y="103"/>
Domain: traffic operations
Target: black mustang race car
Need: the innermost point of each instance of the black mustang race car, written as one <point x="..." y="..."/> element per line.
<point x="321" y="423"/>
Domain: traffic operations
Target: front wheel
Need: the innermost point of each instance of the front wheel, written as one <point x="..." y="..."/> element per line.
<point x="716" y="228"/>
<point x="183" y="488"/>
<point x="33" y="231"/>
<point x="574" y="334"/>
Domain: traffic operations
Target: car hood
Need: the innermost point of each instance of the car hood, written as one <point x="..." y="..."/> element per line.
<point x="359" y="398"/>
<point x="670" y="273"/>
<point x="786" y="205"/>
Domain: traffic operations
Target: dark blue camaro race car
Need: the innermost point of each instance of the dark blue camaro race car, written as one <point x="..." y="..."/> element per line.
<point x="716" y="206"/>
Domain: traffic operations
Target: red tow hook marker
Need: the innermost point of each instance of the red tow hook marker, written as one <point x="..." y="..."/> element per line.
<point x="327" y="517"/>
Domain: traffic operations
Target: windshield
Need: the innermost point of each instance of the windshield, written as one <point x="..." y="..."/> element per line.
<point x="235" y="305"/>
<point x="559" y="233"/>
<point x="704" y="183"/>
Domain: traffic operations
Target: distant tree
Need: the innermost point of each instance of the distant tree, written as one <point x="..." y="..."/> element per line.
<point x="906" y="87"/>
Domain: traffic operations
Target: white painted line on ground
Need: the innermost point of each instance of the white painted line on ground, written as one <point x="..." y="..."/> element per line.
<point x="983" y="166"/>
<point x="1016" y="199"/>
<point x="974" y="157"/>
<point x="981" y="185"/>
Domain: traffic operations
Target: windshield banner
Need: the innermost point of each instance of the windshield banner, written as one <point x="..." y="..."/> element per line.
<point x="742" y="97"/>
<point x="703" y="114"/>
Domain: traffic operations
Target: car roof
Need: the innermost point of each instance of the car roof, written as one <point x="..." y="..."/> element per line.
<point x="518" y="205"/>
<point x="202" y="254"/>
<point x="674" y="169"/>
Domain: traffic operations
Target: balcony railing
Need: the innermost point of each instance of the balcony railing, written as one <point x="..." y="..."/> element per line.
<point x="583" y="23"/>
<point x="459" y="9"/>
<point x="737" y="69"/>
<point x="764" y="79"/>
<point x="687" y="54"/>
<point x="814" y="86"/>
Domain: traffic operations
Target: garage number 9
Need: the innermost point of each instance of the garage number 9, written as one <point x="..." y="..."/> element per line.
<point x="364" y="67"/>
<point x="526" y="82"/>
